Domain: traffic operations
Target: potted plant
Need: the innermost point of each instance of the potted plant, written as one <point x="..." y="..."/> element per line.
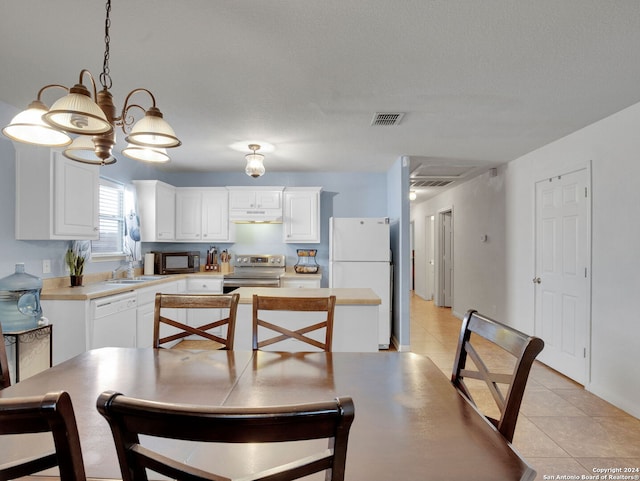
<point x="75" y="258"/>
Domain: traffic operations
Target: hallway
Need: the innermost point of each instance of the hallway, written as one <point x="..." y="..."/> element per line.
<point x="562" y="429"/>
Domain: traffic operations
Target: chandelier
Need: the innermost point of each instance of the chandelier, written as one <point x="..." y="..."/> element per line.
<point x="94" y="119"/>
<point x="255" y="167"/>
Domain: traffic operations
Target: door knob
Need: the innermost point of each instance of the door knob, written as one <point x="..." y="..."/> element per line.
<point x="537" y="280"/>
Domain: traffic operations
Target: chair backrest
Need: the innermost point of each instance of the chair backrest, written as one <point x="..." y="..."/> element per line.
<point x="523" y="350"/>
<point x="196" y="301"/>
<point x="5" y="378"/>
<point x="52" y="412"/>
<point x="299" y="304"/>
<point x="129" y="418"/>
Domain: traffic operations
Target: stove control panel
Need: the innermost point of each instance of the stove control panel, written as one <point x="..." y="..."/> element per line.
<point x="257" y="260"/>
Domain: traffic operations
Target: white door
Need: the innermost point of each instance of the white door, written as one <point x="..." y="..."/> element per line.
<point x="430" y="250"/>
<point x="446" y="259"/>
<point x="562" y="274"/>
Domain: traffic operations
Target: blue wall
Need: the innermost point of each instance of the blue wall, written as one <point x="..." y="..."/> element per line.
<point x="343" y="195"/>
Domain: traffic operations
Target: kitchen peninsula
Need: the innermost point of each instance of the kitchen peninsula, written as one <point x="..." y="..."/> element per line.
<point x="355" y="325"/>
<point x="72" y="311"/>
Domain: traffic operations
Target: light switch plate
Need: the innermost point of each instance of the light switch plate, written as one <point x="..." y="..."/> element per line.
<point x="46" y="266"/>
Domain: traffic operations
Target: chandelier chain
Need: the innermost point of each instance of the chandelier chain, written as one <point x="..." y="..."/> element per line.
<point x="105" y="76"/>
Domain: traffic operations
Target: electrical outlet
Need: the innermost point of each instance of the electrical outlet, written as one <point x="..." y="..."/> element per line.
<point x="46" y="266"/>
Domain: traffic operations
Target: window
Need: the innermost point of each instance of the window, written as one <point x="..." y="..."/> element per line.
<point x="111" y="219"/>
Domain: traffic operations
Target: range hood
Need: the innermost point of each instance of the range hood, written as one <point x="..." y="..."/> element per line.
<point x="255" y="216"/>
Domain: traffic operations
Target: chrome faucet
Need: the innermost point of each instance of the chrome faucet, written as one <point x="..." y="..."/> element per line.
<point x="128" y="267"/>
<point x="114" y="273"/>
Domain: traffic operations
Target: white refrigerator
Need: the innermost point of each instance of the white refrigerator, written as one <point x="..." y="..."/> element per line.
<point x="360" y="256"/>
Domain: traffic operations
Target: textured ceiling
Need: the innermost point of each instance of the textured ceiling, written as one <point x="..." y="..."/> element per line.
<point x="480" y="82"/>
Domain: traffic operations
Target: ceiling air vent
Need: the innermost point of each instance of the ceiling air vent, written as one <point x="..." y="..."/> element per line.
<point x="387" y="118"/>
<point x="430" y="183"/>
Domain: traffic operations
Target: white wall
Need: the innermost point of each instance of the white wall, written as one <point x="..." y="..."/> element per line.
<point x="612" y="146"/>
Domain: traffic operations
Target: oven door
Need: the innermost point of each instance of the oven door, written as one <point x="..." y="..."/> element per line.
<point x="231" y="284"/>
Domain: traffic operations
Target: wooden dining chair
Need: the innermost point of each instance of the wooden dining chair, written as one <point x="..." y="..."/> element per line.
<point x="129" y="418"/>
<point x="5" y="377"/>
<point x="296" y="304"/>
<point x="52" y="412"/>
<point x="523" y="349"/>
<point x="196" y="301"/>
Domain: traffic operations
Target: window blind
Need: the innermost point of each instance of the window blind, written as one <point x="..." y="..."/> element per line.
<point x="111" y="219"/>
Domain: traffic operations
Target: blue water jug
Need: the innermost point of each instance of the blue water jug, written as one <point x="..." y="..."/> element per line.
<point x="20" y="301"/>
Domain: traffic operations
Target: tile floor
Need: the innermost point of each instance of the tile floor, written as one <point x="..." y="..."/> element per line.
<point x="562" y="429"/>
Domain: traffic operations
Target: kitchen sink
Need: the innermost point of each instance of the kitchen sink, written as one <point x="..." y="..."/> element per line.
<point x="135" y="280"/>
<point x="126" y="281"/>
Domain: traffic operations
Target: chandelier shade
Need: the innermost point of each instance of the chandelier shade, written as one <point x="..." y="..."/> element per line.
<point x="78" y="114"/>
<point x="83" y="149"/>
<point x="153" y="131"/>
<point x="146" y="154"/>
<point x="28" y="127"/>
<point x="255" y="165"/>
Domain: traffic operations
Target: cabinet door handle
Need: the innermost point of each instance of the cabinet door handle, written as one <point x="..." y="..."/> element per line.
<point x="537" y="280"/>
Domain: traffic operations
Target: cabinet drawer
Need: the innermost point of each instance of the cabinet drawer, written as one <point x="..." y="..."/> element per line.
<point x="212" y="285"/>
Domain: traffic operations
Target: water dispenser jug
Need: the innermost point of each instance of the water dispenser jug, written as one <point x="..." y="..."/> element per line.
<point x="20" y="301"/>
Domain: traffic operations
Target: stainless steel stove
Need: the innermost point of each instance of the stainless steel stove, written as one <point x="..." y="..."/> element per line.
<point x="255" y="270"/>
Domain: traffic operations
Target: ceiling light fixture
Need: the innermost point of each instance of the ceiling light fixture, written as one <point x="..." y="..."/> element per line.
<point x="255" y="167"/>
<point x="413" y="195"/>
<point x="95" y="120"/>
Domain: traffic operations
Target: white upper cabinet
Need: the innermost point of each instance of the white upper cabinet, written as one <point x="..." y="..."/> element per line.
<point x="215" y="215"/>
<point x="56" y="197"/>
<point x="301" y="214"/>
<point x="157" y="207"/>
<point x="202" y="214"/>
<point x="188" y="214"/>
<point x="252" y="198"/>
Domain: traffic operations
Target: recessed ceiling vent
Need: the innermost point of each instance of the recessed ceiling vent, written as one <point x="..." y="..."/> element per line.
<point x="387" y="118"/>
<point x="430" y="183"/>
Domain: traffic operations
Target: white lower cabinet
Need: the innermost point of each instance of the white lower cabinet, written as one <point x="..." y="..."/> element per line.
<point x="313" y="283"/>
<point x="144" y="325"/>
<point x="74" y="330"/>
<point x="146" y="310"/>
<point x="69" y="320"/>
<point x="204" y="285"/>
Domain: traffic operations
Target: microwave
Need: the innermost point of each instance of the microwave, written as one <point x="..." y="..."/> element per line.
<point x="177" y="262"/>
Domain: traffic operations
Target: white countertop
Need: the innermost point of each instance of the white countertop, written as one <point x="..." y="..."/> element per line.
<point x="104" y="288"/>
<point x="361" y="296"/>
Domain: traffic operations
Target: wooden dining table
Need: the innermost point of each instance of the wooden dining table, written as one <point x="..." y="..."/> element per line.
<point x="410" y="423"/>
